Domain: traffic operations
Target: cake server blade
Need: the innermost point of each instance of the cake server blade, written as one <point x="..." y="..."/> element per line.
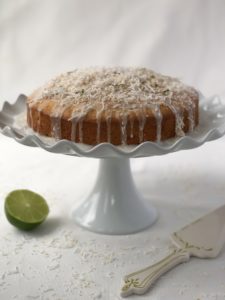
<point x="204" y="238"/>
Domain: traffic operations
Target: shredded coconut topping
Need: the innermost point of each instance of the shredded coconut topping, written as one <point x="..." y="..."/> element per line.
<point x="118" y="85"/>
<point x="121" y="90"/>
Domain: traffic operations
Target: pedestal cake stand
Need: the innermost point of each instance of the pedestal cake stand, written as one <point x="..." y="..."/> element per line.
<point x="114" y="205"/>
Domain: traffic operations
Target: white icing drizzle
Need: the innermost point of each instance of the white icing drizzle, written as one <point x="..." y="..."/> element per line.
<point x="191" y="116"/>
<point x="158" y="116"/>
<point x="98" y="118"/>
<point x="124" y="91"/>
<point x="108" y="124"/>
<point x="123" y="128"/>
<point x="131" y="127"/>
<point x="56" y="120"/>
<point x="80" y="122"/>
<point x="142" y="121"/>
<point x="56" y="127"/>
<point x="178" y="119"/>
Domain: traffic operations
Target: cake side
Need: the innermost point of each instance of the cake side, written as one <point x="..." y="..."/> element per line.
<point x="116" y="105"/>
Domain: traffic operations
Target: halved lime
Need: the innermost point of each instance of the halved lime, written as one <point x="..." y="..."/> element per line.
<point x="25" y="209"/>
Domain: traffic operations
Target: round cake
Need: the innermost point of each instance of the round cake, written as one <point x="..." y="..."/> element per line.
<point x="116" y="105"/>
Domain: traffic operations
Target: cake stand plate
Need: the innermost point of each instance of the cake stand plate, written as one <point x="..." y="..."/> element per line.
<point x="114" y="205"/>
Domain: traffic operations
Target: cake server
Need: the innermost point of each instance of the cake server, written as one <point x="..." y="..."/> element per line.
<point x="203" y="238"/>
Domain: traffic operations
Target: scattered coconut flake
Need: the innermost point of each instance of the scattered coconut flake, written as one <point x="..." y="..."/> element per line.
<point x="53" y="267"/>
<point x="13" y="272"/>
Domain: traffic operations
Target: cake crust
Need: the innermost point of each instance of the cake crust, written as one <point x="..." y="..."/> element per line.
<point x="98" y="105"/>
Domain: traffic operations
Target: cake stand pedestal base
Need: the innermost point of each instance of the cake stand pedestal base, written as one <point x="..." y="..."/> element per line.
<point x="114" y="206"/>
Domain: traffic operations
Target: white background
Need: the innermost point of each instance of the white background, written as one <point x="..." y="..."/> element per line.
<point x="39" y="39"/>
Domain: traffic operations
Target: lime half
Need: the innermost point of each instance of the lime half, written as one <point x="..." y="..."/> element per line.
<point x="25" y="209"/>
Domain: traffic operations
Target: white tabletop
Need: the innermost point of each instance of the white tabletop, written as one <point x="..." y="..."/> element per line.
<point x="59" y="260"/>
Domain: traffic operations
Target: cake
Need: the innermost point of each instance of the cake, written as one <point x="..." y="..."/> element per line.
<point x="117" y="105"/>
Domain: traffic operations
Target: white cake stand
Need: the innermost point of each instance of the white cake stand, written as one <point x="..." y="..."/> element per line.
<point x="114" y="205"/>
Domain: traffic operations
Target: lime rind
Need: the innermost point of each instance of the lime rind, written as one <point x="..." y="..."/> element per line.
<point x="20" y="224"/>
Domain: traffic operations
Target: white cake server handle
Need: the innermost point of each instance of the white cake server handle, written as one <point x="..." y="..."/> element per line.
<point x="139" y="282"/>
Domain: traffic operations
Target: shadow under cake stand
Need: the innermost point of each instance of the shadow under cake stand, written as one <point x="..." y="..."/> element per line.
<point x="114" y="205"/>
